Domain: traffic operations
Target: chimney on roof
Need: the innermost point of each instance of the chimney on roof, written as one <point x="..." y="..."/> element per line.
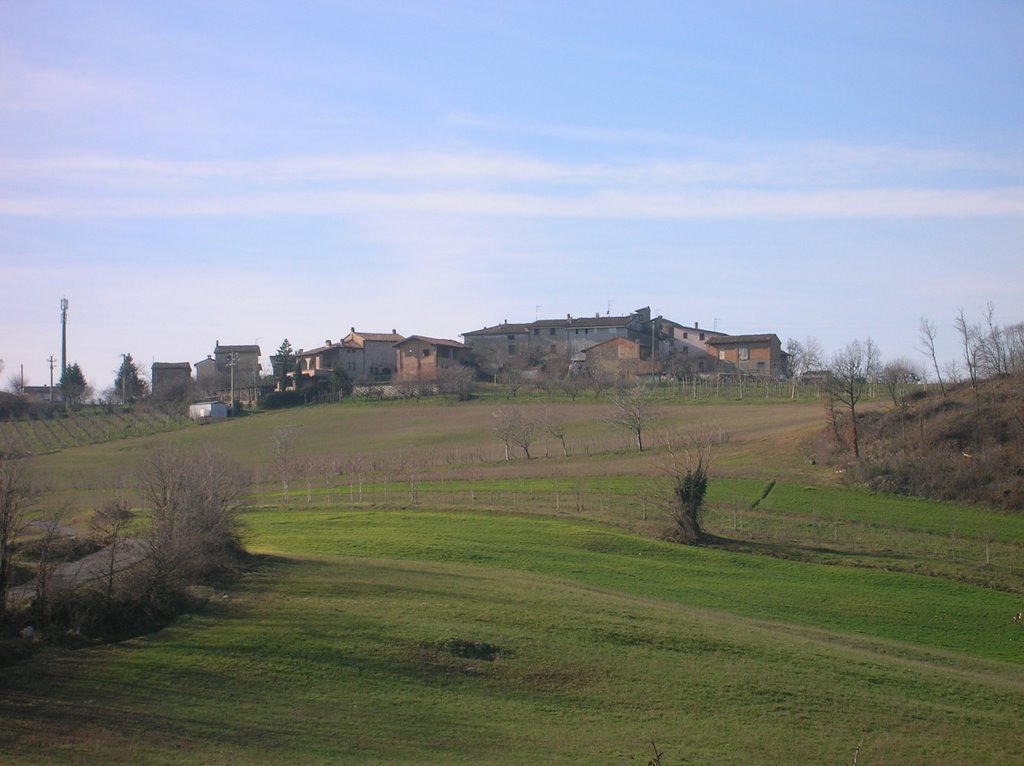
<point x="568" y="317"/>
<point x="597" y="315"/>
<point x="696" y="325"/>
<point x="327" y="342"/>
<point x="394" y="331"/>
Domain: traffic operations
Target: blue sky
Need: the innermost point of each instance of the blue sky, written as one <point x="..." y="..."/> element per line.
<point x="190" y="172"/>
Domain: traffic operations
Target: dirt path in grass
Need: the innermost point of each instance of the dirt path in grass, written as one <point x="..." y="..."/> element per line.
<point x="87" y="569"/>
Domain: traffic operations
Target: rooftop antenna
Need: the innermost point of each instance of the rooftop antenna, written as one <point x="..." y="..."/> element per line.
<point x="714" y="324"/>
<point x="63" y="335"/>
<point x="536" y="312"/>
<point x="609" y="311"/>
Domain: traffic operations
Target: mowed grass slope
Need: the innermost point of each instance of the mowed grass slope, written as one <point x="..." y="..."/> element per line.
<point x="481" y="615"/>
<point x="324" y="657"/>
<point x="918" y="610"/>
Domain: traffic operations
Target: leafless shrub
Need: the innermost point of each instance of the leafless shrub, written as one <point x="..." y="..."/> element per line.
<point x="193" y="501"/>
<point x="690" y="463"/>
<point x="458" y="381"/>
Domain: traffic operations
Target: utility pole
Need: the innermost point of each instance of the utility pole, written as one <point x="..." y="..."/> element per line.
<point x="52" y="362"/>
<point x="653" y="348"/>
<point x="232" y="361"/>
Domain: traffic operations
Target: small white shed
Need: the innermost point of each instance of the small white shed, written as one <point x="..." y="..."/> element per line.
<point x="204" y="412"/>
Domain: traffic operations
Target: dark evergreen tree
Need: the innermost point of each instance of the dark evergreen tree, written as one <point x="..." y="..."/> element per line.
<point x="129" y="385"/>
<point x="284" y="362"/>
<point x="73" y="386"/>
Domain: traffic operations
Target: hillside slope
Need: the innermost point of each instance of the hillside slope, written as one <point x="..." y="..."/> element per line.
<point x="966" y="446"/>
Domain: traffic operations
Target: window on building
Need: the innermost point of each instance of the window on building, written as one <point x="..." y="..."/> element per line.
<point x="511" y="337"/>
<point x="551" y="331"/>
<point x="721" y="354"/>
<point x="686" y="335"/>
<point x="686" y="350"/>
<point x="426" y="352"/>
<point x="702" y="336"/>
<point x="744" y="353"/>
<point x="511" y="349"/>
<point x="536" y="331"/>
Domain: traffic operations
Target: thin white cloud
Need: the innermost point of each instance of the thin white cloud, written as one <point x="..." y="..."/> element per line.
<point x="801" y="166"/>
<point x="606" y="205"/>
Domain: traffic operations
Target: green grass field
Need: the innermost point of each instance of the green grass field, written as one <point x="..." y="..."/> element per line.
<point x="437" y="611"/>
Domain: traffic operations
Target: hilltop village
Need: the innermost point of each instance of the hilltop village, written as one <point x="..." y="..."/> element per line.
<point x="635" y="345"/>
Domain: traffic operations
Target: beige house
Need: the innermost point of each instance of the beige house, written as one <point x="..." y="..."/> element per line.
<point x="363" y="356"/>
<point x="377" y="358"/>
<point x="323" y="360"/>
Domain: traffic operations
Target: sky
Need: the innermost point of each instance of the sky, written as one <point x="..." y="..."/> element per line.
<point x="245" y="172"/>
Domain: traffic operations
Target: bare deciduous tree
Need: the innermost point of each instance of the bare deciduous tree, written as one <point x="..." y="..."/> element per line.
<point x="803" y="358"/>
<point x="512" y="379"/>
<point x="852" y="370"/>
<point x="555" y="426"/>
<point x="513" y="426"/>
<point x="1015" y="348"/>
<point x="47" y="563"/>
<point x="896" y="377"/>
<point x="633" y="411"/>
<point x="573" y="383"/>
<point x="15" y="497"/>
<point x="523" y="433"/>
<point x="16" y="384"/>
<point x="504" y="425"/>
<point x="927" y="333"/>
<point x="281" y="441"/>
<point x="994" y="359"/>
<point x="970" y="345"/>
<point x="108" y="527"/>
